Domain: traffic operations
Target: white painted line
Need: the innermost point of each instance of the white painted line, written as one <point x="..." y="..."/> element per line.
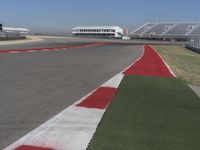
<point x="14" y="52"/>
<point x="114" y="82"/>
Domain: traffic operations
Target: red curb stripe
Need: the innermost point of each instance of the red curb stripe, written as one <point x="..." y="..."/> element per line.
<point x="150" y="64"/>
<point x="25" y="147"/>
<point x="50" y="49"/>
<point x="99" y="99"/>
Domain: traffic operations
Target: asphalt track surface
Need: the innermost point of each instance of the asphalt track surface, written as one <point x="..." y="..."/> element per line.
<point x="48" y="43"/>
<point x="36" y="86"/>
<point x="70" y="41"/>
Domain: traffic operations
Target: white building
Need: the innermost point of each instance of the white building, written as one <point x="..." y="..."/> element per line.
<point x="98" y="31"/>
<point x="13" y="32"/>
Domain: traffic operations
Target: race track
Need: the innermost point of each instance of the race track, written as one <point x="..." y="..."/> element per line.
<point x="36" y="86"/>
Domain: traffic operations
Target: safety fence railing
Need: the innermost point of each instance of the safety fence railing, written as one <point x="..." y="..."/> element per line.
<point x="193" y="44"/>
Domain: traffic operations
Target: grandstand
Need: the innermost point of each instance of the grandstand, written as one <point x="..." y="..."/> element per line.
<point x="15" y="32"/>
<point x="158" y="29"/>
<point x="181" y="29"/>
<point x="196" y="31"/>
<point x="143" y="28"/>
<point x="167" y="31"/>
<point x="10" y="33"/>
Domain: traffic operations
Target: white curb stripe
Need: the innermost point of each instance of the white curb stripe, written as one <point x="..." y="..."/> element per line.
<point x="72" y="129"/>
<point x="114" y="82"/>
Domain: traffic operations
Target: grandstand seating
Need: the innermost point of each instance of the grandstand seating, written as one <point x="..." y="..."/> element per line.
<point x="158" y="29"/>
<point x="196" y="31"/>
<point x="181" y="29"/>
<point x="144" y="28"/>
<point x="163" y="30"/>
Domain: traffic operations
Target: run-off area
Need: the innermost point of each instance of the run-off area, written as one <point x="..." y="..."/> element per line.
<point x="150" y="113"/>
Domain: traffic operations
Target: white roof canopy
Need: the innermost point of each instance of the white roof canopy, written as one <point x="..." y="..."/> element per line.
<point x="96" y="27"/>
<point x="15" y="29"/>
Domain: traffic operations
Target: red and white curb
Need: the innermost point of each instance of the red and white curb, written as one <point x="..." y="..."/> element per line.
<point x="51" y="49"/>
<point x="73" y="128"/>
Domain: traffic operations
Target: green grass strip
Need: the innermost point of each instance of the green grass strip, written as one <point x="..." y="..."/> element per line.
<point x="150" y="113"/>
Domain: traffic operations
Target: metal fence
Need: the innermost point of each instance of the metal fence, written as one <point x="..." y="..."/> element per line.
<point x="194" y="44"/>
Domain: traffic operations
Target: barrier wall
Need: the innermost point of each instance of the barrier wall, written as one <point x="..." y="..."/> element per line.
<point x="11" y="38"/>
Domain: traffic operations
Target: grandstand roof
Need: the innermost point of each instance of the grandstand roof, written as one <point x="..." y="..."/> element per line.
<point x="15" y="29"/>
<point x="96" y="27"/>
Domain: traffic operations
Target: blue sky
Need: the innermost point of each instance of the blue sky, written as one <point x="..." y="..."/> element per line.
<point x="62" y="15"/>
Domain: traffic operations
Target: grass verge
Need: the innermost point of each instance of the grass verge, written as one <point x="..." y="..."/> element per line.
<point x="184" y="63"/>
<point x="150" y="113"/>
